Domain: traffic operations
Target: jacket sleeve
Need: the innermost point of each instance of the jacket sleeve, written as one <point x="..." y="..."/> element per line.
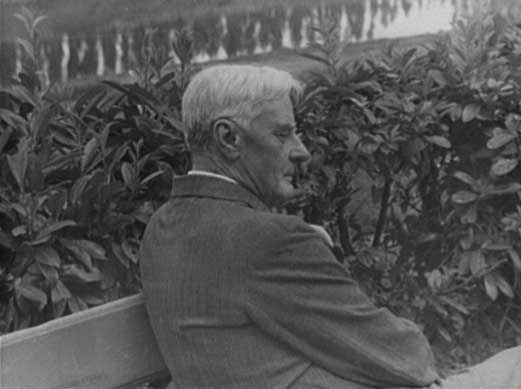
<point x="299" y="294"/>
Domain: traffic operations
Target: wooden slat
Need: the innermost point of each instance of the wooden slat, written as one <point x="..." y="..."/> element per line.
<point x="102" y="347"/>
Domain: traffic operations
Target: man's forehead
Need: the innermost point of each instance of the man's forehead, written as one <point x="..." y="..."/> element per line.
<point x="279" y="111"/>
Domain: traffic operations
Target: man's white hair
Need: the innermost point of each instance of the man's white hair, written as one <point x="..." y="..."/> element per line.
<point x="233" y="91"/>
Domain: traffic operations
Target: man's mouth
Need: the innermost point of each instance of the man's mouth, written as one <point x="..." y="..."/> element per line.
<point x="296" y="180"/>
<point x="296" y="176"/>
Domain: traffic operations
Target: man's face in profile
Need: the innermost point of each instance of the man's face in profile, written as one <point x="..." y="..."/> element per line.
<point x="272" y="151"/>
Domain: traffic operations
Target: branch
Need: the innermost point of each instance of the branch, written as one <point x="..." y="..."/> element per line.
<point x="343" y="229"/>
<point x="382" y="217"/>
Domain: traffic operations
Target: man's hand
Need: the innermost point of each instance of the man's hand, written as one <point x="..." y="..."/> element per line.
<point x="323" y="233"/>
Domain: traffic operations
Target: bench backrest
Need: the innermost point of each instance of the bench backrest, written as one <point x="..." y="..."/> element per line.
<point x="104" y="347"/>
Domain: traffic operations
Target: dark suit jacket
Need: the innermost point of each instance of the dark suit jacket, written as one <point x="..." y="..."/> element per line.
<point x="240" y="297"/>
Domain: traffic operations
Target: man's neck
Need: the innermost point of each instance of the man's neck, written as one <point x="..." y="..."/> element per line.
<point x="206" y="163"/>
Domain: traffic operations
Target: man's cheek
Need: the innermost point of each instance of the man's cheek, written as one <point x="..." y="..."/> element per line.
<point x="288" y="190"/>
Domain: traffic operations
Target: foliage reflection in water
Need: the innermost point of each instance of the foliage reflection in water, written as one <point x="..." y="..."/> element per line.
<point x="68" y="53"/>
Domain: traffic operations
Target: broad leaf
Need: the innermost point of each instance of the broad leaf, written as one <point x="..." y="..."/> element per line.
<point x="466" y="178"/>
<point x="78" y="253"/>
<point x="511" y="188"/>
<point x="88" y="152"/>
<point x="470" y="112"/>
<point x="57" y="161"/>
<point x="14" y="121"/>
<point x="496" y="246"/>
<point x="445" y="334"/>
<point x="504" y="286"/>
<point x="129" y="252"/>
<point x="60" y="292"/>
<point x="464" y="197"/>
<point x="504" y="166"/>
<point x="513" y="122"/>
<point x="127" y="172"/>
<point x="438" y="76"/>
<point x="500" y="140"/>
<point x="76" y="304"/>
<point x="470" y="216"/>
<point x="454" y="305"/>
<point x="47" y="256"/>
<point x="434" y="279"/>
<point x="491" y="286"/>
<point x="92" y="248"/>
<point x="120" y="255"/>
<point x="40" y="122"/>
<point x="439" y="141"/>
<point x="27" y="46"/>
<point x="18" y="163"/>
<point x="78" y="187"/>
<point x="38" y="20"/>
<point x="19" y="230"/>
<point x="76" y="274"/>
<point x="477" y="262"/>
<point x="33" y="294"/>
<point x="150" y="177"/>
<point x="516" y="259"/>
<point x="47" y="231"/>
<point x="58" y="308"/>
<point x="21" y="94"/>
<point x="92" y="300"/>
<point x="50" y="273"/>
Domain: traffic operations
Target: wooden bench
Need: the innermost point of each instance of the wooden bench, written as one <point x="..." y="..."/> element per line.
<point x="104" y="347"/>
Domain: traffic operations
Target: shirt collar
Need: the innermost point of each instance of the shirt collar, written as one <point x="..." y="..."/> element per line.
<point x="210" y="174"/>
<point x="209" y="186"/>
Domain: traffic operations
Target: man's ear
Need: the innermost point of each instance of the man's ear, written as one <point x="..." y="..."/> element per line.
<point x="226" y="138"/>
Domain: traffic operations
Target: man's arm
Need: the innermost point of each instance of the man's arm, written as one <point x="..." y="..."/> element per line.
<point x="299" y="294"/>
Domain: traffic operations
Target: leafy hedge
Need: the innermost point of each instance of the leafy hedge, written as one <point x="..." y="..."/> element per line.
<point x="80" y="179"/>
<point x="427" y="138"/>
<point x="436" y="132"/>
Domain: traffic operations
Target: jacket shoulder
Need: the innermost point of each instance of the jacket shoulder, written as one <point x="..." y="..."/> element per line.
<point x="266" y="225"/>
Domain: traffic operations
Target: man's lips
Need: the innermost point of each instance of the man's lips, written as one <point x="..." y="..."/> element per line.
<point x="295" y="180"/>
<point x="294" y="176"/>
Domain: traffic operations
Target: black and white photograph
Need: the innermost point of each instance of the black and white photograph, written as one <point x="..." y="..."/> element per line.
<point x="260" y="194"/>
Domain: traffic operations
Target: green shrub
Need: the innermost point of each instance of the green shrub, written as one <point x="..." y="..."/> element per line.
<point x="436" y="131"/>
<point x="80" y="180"/>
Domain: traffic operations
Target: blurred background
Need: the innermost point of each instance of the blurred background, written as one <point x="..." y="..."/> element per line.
<point x="103" y="38"/>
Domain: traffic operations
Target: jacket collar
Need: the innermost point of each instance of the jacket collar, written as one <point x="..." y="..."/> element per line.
<point x="216" y="188"/>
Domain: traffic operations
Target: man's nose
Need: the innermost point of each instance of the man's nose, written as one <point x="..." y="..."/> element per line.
<point x="299" y="153"/>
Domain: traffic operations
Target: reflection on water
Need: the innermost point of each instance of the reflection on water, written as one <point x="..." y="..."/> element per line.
<point x="222" y="36"/>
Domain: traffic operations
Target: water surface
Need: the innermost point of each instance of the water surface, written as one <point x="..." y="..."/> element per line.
<point x="103" y="38"/>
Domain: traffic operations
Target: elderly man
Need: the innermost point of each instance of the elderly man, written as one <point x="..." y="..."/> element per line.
<point x="241" y="297"/>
